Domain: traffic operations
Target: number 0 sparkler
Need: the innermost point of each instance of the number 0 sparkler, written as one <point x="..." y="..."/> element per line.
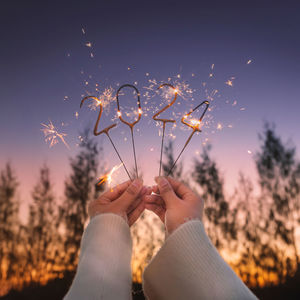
<point x="105" y="130"/>
<point x="195" y="126"/>
<point x="131" y="125"/>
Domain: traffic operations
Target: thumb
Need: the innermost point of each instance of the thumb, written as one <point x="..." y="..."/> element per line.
<point x="130" y="194"/>
<point x="165" y="190"/>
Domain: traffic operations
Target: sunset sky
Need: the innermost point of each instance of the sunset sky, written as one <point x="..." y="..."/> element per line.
<point x="49" y="50"/>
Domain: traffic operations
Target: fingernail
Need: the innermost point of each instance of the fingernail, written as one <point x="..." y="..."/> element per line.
<point x="137" y="183"/>
<point x="161" y="181"/>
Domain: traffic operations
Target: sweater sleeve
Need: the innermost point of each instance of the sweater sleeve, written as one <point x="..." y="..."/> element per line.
<point x="188" y="266"/>
<point x="104" y="270"/>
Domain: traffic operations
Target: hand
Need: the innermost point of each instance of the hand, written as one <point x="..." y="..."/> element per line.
<point x="175" y="204"/>
<point x="124" y="200"/>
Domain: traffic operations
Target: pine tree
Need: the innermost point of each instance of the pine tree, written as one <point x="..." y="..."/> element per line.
<point x="279" y="178"/>
<point x="249" y="242"/>
<point x="220" y="221"/>
<point x="9" y="224"/>
<point x="43" y="238"/>
<point x="79" y="189"/>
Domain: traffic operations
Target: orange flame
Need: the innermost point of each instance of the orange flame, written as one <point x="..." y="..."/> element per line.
<point x="108" y="176"/>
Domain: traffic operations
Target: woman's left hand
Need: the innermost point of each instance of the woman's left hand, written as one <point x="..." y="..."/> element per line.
<point x="124" y="200"/>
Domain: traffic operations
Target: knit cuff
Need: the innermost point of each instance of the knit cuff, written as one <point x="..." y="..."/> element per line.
<point x="113" y="226"/>
<point x="190" y="264"/>
<point x="104" y="270"/>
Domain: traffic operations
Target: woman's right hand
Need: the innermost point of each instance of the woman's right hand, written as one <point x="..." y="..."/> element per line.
<point x="174" y="203"/>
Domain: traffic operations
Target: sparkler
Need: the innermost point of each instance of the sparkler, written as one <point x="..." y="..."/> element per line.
<point x="52" y="135"/>
<point x="165" y="120"/>
<point x="131" y="125"/>
<point x="108" y="176"/>
<point x="195" y="124"/>
<point x="105" y="130"/>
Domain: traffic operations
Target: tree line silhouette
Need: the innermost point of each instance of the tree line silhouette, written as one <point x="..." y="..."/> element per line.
<point x="256" y="232"/>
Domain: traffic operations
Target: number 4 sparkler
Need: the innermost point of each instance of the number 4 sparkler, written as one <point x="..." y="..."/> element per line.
<point x="195" y="126"/>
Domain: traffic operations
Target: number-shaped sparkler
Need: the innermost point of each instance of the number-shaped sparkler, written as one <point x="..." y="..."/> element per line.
<point x="105" y="130"/>
<point x="195" y="126"/>
<point x="164" y="120"/>
<point x="131" y="125"/>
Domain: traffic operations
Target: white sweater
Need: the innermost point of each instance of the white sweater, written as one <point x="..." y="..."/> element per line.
<point x="187" y="266"/>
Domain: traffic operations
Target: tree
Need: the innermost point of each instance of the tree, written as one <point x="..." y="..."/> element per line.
<point x="9" y="223"/>
<point x="220" y="224"/>
<point x="43" y="238"/>
<point x="178" y="168"/>
<point x="79" y="189"/>
<point x="279" y="178"/>
<point x="249" y="214"/>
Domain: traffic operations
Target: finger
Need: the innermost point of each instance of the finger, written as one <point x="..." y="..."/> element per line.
<point x="116" y="191"/>
<point x="135" y="214"/>
<point x="144" y="191"/>
<point x="157" y="209"/>
<point x="134" y="205"/>
<point x="179" y="188"/>
<point x="155" y="199"/>
<point x="130" y="194"/>
<point x="155" y="189"/>
<point x="165" y="190"/>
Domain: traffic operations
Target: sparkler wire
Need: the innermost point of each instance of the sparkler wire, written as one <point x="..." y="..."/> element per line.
<point x="119" y="156"/>
<point x="195" y="129"/>
<point x="162" y="147"/>
<point x="131" y="125"/>
<point x="105" y="130"/>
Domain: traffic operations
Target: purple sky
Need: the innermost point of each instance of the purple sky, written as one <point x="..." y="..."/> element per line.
<point x="43" y="52"/>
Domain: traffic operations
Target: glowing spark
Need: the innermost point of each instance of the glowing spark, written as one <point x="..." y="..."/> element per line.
<point x="108" y="176"/>
<point x="249" y="152"/>
<point x="195" y="122"/>
<point x="76" y="114"/>
<point x="89" y="44"/>
<point x="152" y="149"/>
<point x="83" y="31"/>
<point x="140" y="111"/>
<point x="249" y="61"/>
<point x="52" y="136"/>
<point x="119" y="113"/>
<point x="229" y="82"/>
<point x="105" y="99"/>
<point x="92" y="55"/>
<point x="243" y="108"/>
<point x="219" y="126"/>
<point x="212" y="66"/>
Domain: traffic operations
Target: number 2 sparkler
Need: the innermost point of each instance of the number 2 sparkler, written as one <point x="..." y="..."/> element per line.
<point x="165" y="120"/>
<point x="105" y="130"/>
